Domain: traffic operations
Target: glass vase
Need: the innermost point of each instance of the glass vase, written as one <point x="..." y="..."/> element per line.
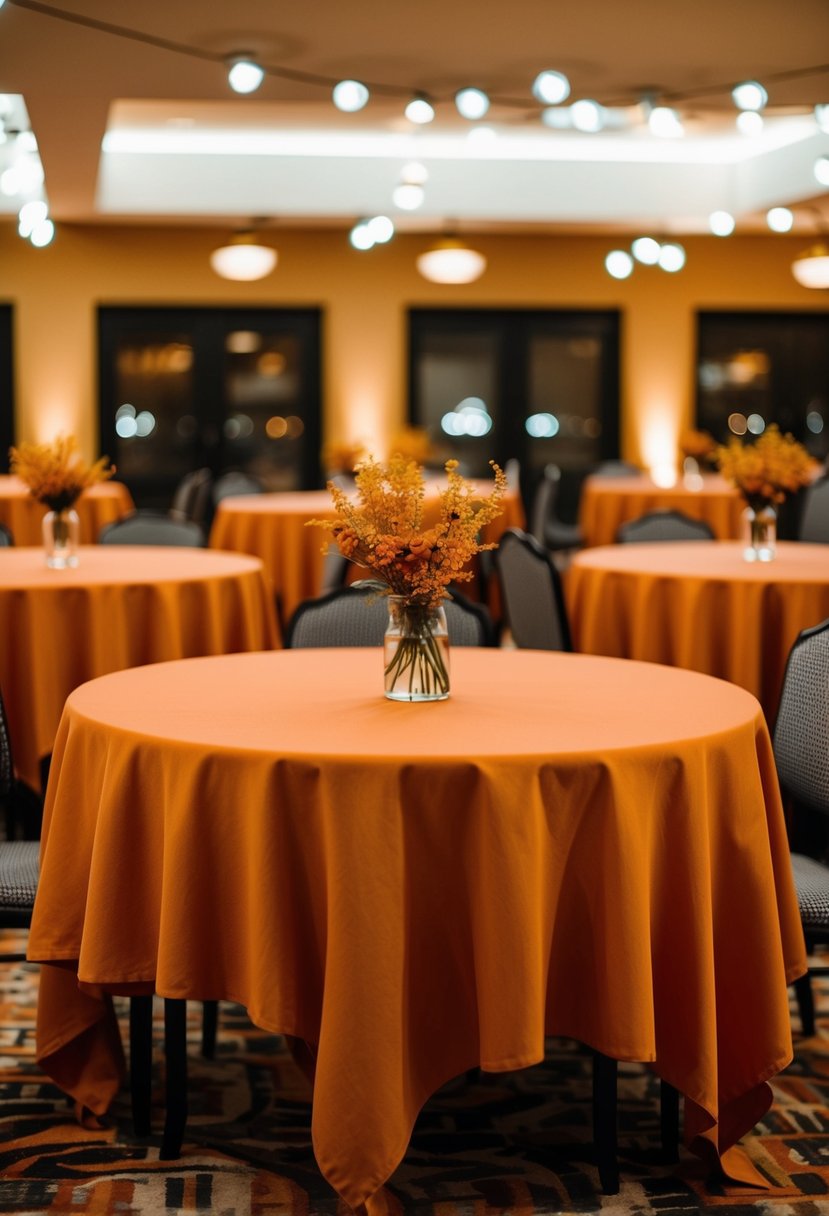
<point x="760" y="524"/>
<point x="416" y="652"/>
<point x="61" y="532"/>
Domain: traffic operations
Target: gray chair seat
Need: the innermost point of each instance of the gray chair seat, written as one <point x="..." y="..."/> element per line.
<point x="19" y="869"/>
<point x="811" y="879"/>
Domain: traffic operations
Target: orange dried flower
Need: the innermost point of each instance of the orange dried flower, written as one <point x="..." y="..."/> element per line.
<point x="767" y="470"/>
<point x="54" y="472"/>
<point x="381" y="527"/>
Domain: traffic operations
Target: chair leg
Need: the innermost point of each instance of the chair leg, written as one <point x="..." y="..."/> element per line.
<point x="669" y="1122"/>
<point x="209" y="1025"/>
<point x="141" y="1062"/>
<point x="805" y="1004"/>
<point x="175" y="1049"/>
<point x="604" y="1121"/>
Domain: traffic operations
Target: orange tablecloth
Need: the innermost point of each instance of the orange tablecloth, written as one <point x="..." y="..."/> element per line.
<point x="608" y="502"/>
<point x="122" y="606"/>
<point x="568" y="845"/>
<point x="272" y="527"/>
<point x="97" y="506"/>
<point x="700" y="605"/>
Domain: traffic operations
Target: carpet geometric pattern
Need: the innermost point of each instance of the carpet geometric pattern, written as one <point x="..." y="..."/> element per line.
<point x="507" y="1143"/>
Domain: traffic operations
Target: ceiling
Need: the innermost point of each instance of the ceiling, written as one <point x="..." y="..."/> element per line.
<point x="180" y="147"/>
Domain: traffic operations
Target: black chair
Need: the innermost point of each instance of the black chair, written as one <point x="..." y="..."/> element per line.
<point x="6" y="538"/>
<point x="192" y="499"/>
<point x="550" y="531"/>
<point x="532" y="593"/>
<point x="144" y="528"/>
<point x="814" y="520"/>
<point x="19" y="859"/>
<point x="235" y="483"/>
<point x="358" y="616"/>
<point x="22" y="808"/>
<point x="801" y="748"/>
<point x="663" y="526"/>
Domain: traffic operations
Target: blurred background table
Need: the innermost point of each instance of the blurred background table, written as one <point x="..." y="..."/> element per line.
<point x="121" y="607"/>
<point x="99" y="505"/>
<point x="608" y="502"/>
<point x="699" y="605"/>
<point x="567" y="846"/>
<point x="273" y="528"/>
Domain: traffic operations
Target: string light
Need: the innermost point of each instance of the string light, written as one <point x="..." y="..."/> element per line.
<point x="587" y="115"/>
<point x="471" y="103"/>
<point x="780" y="219"/>
<point x="244" y="75"/>
<point x="551" y="88"/>
<point x="349" y="96"/>
<point x="750" y="95"/>
<point x="721" y="223"/>
<point x="420" y="110"/>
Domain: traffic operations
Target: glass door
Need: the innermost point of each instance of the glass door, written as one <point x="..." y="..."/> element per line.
<point x="542" y="386"/>
<point x="223" y="388"/>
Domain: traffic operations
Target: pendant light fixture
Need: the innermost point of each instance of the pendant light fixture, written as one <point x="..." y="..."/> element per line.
<point x="244" y="258"/>
<point x="811" y="268"/>
<point x="451" y="261"/>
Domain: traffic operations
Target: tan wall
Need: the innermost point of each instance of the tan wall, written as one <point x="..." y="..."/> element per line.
<point x="364" y="297"/>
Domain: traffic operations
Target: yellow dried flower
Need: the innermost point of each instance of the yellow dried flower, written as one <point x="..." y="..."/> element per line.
<point x="768" y="469"/>
<point x="54" y="472"/>
<point x="381" y="527"/>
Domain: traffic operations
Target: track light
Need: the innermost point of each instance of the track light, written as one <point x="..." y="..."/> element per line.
<point x="244" y="74"/>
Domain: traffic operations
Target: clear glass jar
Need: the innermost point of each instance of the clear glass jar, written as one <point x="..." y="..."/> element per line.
<point x="61" y="535"/>
<point x="416" y="652"/>
<point x="760" y="524"/>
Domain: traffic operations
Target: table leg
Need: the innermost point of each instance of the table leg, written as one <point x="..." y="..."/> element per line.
<point x="604" y="1121"/>
<point x="175" y="1049"/>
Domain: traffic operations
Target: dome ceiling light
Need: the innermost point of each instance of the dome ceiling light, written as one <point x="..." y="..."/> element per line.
<point x="811" y="268"/>
<point x="244" y="258"/>
<point x="451" y="261"/>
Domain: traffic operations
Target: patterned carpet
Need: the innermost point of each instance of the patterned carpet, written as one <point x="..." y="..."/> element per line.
<point x="514" y="1143"/>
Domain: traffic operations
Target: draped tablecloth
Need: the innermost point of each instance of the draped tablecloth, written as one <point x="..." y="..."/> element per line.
<point x="700" y="605"/>
<point x="273" y="527"/>
<point x="122" y="606"/>
<point x="99" y="505"/>
<point x="567" y="846"/>
<point x="608" y="502"/>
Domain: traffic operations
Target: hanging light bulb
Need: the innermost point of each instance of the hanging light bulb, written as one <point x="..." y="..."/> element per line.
<point x="780" y="219"/>
<point x="30" y="215"/>
<point x="749" y="122"/>
<point x="551" y="87"/>
<point x="381" y="228"/>
<point x="471" y="103"/>
<point x="450" y="261"/>
<point x="244" y="74"/>
<point x="361" y="236"/>
<point x="750" y="95"/>
<point x="408" y="196"/>
<point x="619" y="264"/>
<point x="721" y="223"/>
<point x="587" y="115"/>
<point x="822" y="117"/>
<point x="822" y="170"/>
<point x="646" y="250"/>
<point x="244" y="258"/>
<point x="42" y="233"/>
<point x="420" y="110"/>
<point x="350" y="96"/>
<point x="665" y="123"/>
<point x="671" y="257"/>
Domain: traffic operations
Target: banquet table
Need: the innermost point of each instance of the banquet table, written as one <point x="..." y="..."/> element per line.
<point x="273" y="527"/>
<point x="568" y="845"/>
<point x="122" y="606"/>
<point x="99" y="505"/>
<point x="699" y="605"/>
<point x="608" y="502"/>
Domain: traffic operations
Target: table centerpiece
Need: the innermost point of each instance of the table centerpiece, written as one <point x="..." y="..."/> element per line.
<point x="764" y="471"/>
<point x="381" y="527"/>
<point x="56" y="476"/>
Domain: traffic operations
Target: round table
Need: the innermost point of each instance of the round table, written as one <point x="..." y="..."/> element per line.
<point x="700" y="605"/>
<point x="273" y="527"/>
<point x="608" y="502"/>
<point x="23" y="515"/>
<point x="122" y="606"/>
<point x="567" y="846"/>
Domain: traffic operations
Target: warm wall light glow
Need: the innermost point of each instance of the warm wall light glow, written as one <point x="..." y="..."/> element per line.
<point x="659" y="442"/>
